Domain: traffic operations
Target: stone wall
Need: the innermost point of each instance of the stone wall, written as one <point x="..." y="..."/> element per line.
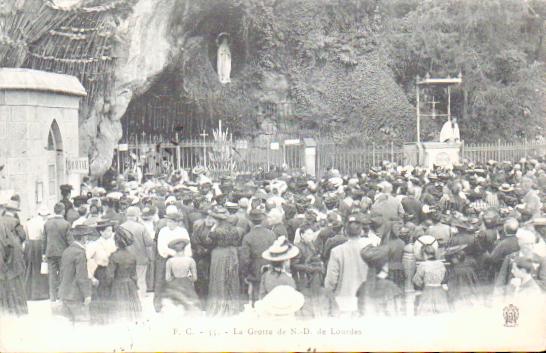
<point x="25" y="119"/>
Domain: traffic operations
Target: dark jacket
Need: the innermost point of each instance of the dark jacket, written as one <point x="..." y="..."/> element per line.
<point x="142" y="247"/>
<point x="412" y="208"/>
<point x="502" y="249"/>
<point x="56" y="236"/>
<point x="254" y="244"/>
<point x="75" y="283"/>
<point x="13" y="224"/>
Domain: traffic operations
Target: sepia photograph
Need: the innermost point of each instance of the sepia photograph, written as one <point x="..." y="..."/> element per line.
<point x="272" y="175"/>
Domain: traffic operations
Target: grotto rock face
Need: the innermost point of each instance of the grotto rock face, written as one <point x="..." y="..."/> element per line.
<point x="143" y="51"/>
<point x="324" y="57"/>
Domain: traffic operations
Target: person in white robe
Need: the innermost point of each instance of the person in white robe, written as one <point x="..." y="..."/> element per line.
<point x="450" y="131"/>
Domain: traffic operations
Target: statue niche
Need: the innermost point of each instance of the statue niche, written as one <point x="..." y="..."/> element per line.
<point x="223" y="61"/>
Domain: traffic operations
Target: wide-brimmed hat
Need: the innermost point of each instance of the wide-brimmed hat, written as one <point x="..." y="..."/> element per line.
<point x="281" y="250"/>
<point x="82" y="230"/>
<point x="12" y="205"/>
<point x="66" y="187"/>
<point x="198" y="170"/>
<point x="178" y="244"/>
<point x="505" y="187"/>
<point x="231" y="205"/>
<point x="283" y="300"/>
<point x="115" y="195"/>
<point x="452" y="250"/>
<point x="177" y="217"/>
<point x="148" y="212"/>
<point x="256" y="214"/>
<point x="359" y="218"/>
<point x="219" y="212"/>
<point x="539" y="221"/>
<point x="102" y="224"/>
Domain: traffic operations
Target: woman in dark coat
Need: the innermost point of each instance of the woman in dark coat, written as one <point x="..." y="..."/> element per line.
<point x="224" y="286"/>
<point x="36" y="282"/>
<point x="12" y="270"/>
<point x="122" y="271"/>
<point x="98" y="251"/>
<point x="462" y="281"/>
<point x="309" y="271"/>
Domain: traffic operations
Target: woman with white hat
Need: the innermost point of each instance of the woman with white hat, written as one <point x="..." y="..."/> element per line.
<point x="36" y="285"/>
<point x="282" y="302"/>
<point x="277" y="273"/>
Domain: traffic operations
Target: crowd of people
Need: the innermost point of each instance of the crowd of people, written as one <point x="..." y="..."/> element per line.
<point x="396" y="240"/>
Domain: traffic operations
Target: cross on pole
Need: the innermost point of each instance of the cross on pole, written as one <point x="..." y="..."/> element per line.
<point x="204" y="135"/>
<point x="433" y="103"/>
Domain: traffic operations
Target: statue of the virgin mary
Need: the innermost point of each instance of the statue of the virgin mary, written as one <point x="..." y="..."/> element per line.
<point x="224" y="58"/>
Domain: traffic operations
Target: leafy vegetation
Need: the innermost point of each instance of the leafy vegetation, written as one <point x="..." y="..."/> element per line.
<point x="496" y="44"/>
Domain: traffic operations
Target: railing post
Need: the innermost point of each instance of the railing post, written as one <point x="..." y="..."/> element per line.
<point x="392" y="151"/>
<point x="373" y="154"/>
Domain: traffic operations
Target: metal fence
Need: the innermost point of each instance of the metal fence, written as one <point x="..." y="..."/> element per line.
<point x="503" y="151"/>
<point x="220" y="157"/>
<point x="246" y="157"/>
<point x="353" y="159"/>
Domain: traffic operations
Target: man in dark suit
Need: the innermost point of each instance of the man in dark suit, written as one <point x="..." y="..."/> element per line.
<point x="75" y="288"/>
<point x="254" y="244"/>
<point x="56" y="240"/>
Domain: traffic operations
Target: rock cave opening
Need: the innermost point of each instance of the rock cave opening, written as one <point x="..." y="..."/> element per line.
<point x="161" y="111"/>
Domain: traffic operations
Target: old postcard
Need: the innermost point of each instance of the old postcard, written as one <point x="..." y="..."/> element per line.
<point x="272" y="175"/>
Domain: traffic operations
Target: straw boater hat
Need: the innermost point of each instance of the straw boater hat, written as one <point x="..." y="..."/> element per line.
<point x="280" y="302"/>
<point x="178" y="244"/>
<point x="218" y="212"/>
<point x="505" y="187"/>
<point x="281" y="250"/>
<point x="12" y="205"/>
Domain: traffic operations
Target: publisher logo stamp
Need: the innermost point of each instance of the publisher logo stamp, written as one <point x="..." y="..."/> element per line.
<point x="511" y="314"/>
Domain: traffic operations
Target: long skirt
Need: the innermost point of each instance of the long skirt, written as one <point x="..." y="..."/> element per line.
<point x="150" y="276"/>
<point x="181" y="292"/>
<point x="12" y="296"/>
<point x="159" y="281"/>
<point x="125" y="301"/>
<point x="101" y="303"/>
<point x="224" y="286"/>
<point x="381" y="297"/>
<point x="433" y="300"/>
<point x="36" y="284"/>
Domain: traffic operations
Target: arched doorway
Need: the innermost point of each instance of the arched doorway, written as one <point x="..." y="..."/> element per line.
<point x="54" y="163"/>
